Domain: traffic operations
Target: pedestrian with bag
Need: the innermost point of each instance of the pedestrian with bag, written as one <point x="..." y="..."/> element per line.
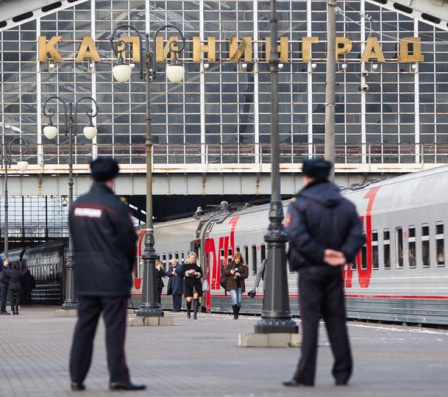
<point x="236" y="272"/>
<point x="175" y="284"/>
<point x="325" y="233"/>
<point x="192" y="284"/>
<point x="104" y="242"/>
<point x="260" y="274"/>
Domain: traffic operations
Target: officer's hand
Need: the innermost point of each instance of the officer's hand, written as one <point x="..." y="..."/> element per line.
<point x="334" y="258"/>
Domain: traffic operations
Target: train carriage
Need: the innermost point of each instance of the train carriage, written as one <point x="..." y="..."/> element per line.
<point x="399" y="275"/>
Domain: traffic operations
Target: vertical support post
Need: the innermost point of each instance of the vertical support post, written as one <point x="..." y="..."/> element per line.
<point x="330" y="85"/>
<point x="150" y="306"/>
<point x="276" y="316"/>
<point x="6" y="241"/>
<point x="71" y="300"/>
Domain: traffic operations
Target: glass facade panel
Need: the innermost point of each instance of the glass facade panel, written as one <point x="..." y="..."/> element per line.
<point x="386" y="110"/>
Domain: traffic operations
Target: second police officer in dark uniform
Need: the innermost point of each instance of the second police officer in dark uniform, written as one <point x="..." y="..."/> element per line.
<point x="104" y="242"/>
<point x="325" y="233"/>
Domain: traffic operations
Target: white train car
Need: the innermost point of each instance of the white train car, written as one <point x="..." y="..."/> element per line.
<point x="400" y="274"/>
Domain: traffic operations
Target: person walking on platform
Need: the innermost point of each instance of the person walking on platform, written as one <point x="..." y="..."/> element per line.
<point x="104" y="242"/>
<point x="260" y="274"/>
<point x="160" y="273"/>
<point x="4" y="285"/>
<point x="175" y="284"/>
<point x="236" y="272"/>
<point x="192" y="284"/>
<point x="14" y="275"/>
<point x="325" y="233"/>
<point x="28" y="284"/>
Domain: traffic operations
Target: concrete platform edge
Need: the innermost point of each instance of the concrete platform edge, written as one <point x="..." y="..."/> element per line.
<point x="269" y="340"/>
<point x="66" y="313"/>
<point x="139" y="321"/>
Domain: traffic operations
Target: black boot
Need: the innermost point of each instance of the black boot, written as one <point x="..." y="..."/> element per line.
<point x="188" y="309"/>
<point x="235" y="312"/>
<point x="195" y="308"/>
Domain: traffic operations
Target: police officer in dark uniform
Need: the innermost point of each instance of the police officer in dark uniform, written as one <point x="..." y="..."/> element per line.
<point x="325" y="233"/>
<point x="104" y="242"/>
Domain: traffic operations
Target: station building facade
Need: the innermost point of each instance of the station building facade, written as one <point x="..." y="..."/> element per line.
<point x="391" y="87"/>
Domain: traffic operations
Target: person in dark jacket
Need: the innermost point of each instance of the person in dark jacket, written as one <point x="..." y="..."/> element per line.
<point x="28" y="284"/>
<point x="14" y="275"/>
<point x="325" y="233"/>
<point x="4" y="285"/>
<point x="175" y="284"/>
<point x="236" y="272"/>
<point x="192" y="284"/>
<point x="104" y="243"/>
<point x="160" y="273"/>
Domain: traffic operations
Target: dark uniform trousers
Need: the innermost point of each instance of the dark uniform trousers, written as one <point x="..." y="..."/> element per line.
<point x="321" y="291"/>
<point x="114" y="311"/>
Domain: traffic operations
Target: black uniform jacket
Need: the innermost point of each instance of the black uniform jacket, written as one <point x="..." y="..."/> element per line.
<point x="104" y="243"/>
<point x="319" y="218"/>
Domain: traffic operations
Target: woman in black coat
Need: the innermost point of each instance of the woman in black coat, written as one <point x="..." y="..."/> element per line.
<point x="175" y="284"/>
<point x="159" y="282"/>
<point x="13" y="273"/>
<point x="192" y="284"/>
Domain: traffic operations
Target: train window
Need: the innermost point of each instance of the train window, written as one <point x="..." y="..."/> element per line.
<point x="399" y="246"/>
<point x="237" y="249"/>
<point x="170" y="256"/>
<point x="263" y="252"/>
<point x="386" y="249"/>
<point x="364" y="257"/>
<point x="176" y="255"/>
<point x="375" y="264"/>
<point x="411" y="247"/>
<point x="246" y="255"/>
<point x="440" y="245"/>
<point x="254" y="259"/>
<point x="164" y="258"/>
<point x="229" y="255"/>
<point x="425" y="246"/>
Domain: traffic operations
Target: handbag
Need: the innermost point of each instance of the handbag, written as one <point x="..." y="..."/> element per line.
<point x="223" y="281"/>
<point x="205" y="286"/>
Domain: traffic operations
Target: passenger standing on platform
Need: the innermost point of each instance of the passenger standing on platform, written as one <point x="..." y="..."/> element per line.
<point x="325" y="233"/>
<point x="192" y="284"/>
<point x="175" y="284"/>
<point x="14" y="275"/>
<point x="236" y="272"/>
<point x="260" y="274"/>
<point x="104" y="251"/>
<point x="160" y="273"/>
<point x="4" y="285"/>
<point x="28" y="284"/>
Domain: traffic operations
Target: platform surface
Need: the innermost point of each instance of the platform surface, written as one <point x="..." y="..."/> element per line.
<point x="202" y="358"/>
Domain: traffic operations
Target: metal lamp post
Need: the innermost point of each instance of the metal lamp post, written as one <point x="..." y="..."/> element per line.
<point x="175" y="73"/>
<point x="276" y="316"/>
<point x="50" y="131"/>
<point x="22" y="166"/>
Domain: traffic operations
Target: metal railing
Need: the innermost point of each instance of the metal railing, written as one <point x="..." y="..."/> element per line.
<point x="215" y="154"/>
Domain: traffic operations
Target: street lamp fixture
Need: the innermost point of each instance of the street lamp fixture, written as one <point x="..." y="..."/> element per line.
<point x="276" y="316"/>
<point x="150" y="307"/>
<point x="50" y="132"/>
<point x="22" y="165"/>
